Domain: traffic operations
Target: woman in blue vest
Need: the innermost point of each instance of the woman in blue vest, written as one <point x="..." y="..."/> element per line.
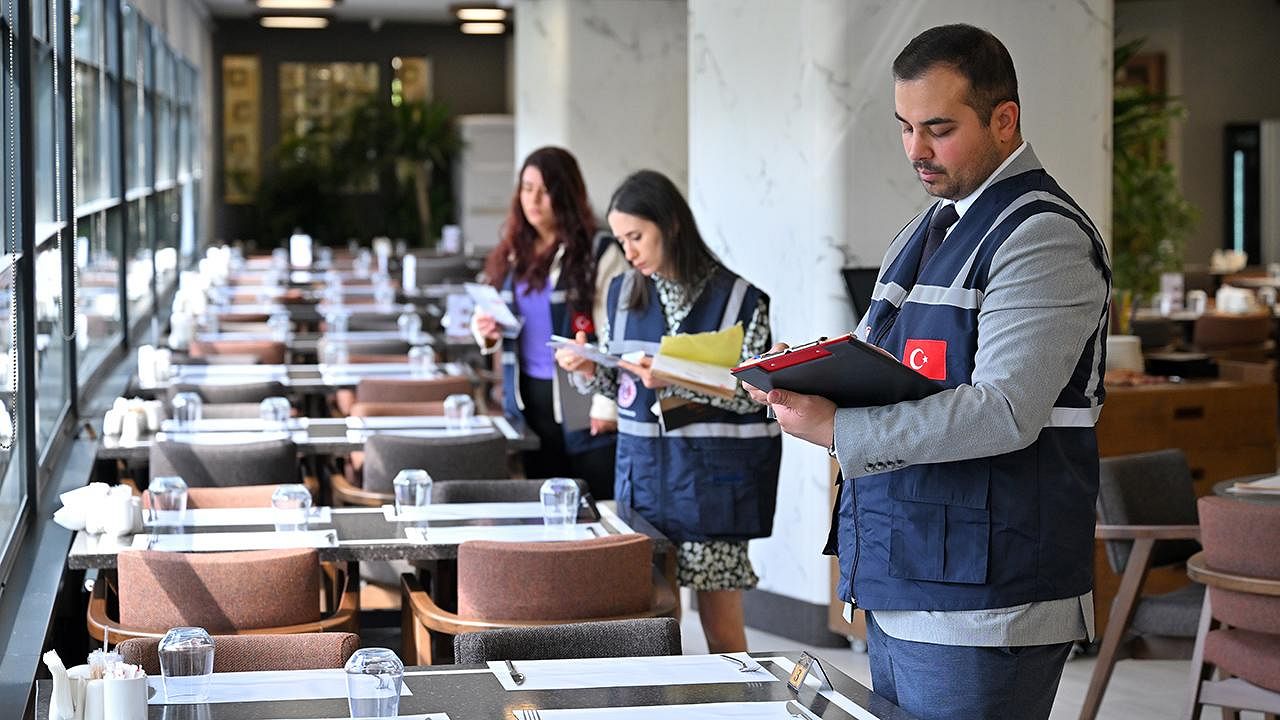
<point x="553" y="268"/>
<point x="706" y="472"/>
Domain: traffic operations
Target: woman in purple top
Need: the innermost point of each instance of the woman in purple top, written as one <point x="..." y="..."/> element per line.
<point x="553" y="270"/>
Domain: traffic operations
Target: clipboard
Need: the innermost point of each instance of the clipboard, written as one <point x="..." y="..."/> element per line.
<point x="844" y="370"/>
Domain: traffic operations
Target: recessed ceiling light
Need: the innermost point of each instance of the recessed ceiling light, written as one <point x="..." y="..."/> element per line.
<point x="293" y="22"/>
<point x="296" y="4"/>
<point x="482" y="28"/>
<point x="481" y="14"/>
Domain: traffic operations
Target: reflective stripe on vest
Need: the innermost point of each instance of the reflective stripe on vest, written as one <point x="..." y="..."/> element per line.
<point x="700" y="430"/>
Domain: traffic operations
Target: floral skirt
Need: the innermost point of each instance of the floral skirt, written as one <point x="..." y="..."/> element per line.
<point x="715" y="565"/>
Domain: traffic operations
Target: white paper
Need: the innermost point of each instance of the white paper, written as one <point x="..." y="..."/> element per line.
<point x="229" y="438"/>
<point x="227" y="517"/>
<point x="237" y="369"/>
<point x="220" y="541"/>
<point x="464" y="511"/>
<point x="588" y="351"/>
<point x="368" y="368"/>
<point x="389" y="422"/>
<point x="1266" y="485"/>
<point x="360" y="436"/>
<point x="487" y="299"/>
<point x="629" y="672"/>
<point x="504" y="533"/>
<point x="269" y="685"/>
<point x="363" y="335"/>
<point x="768" y="710"/>
<point x="610" y="517"/>
<point x="231" y="425"/>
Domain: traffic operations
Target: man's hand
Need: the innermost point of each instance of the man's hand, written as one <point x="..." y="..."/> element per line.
<point x="642" y="370"/>
<point x="573" y="362"/>
<point x="808" y="417"/>
<point x="756" y="393"/>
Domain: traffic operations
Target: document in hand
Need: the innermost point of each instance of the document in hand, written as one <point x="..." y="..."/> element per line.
<point x="588" y="351"/>
<point x="844" y="370"/>
<point x="488" y="300"/>
<point x="701" y="361"/>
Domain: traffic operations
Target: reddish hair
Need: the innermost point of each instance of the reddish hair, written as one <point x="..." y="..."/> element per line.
<point x="575" y="228"/>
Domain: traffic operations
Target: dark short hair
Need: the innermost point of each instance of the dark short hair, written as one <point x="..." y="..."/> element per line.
<point x="974" y="53"/>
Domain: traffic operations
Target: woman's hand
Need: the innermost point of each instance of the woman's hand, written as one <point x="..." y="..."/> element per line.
<point x="603" y="427"/>
<point x="484" y="325"/>
<point x="642" y="370"/>
<point x="571" y="361"/>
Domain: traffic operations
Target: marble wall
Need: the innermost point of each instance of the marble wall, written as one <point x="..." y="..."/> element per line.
<point x="606" y="79"/>
<point x="796" y="169"/>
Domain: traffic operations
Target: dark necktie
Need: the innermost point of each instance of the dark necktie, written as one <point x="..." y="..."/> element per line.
<point x="943" y="218"/>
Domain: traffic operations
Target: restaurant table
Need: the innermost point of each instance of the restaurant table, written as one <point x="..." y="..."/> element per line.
<point x="314" y="436"/>
<point x="322" y="378"/>
<point x="476" y="692"/>
<point x="365" y="534"/>
<point x="309" y="342"/>
<point x="1221" y="490"/>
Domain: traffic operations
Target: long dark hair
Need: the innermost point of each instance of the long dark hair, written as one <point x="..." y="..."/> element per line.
<point x="575" y="228"/>
<point x="650" y="195"/>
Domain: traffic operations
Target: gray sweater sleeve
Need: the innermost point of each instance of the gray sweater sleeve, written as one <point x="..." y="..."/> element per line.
<point x="1043" y="301"/>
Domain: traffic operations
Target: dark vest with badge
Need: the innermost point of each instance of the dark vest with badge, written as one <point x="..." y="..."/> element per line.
<point x="567" y="322"/>
<point x="715" y="478"/>
<point x="988" y="532"/>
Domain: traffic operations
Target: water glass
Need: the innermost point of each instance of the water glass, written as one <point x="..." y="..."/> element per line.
<point x="458" y="411"/>
<point x="187" y="408"/>
<point x="186" y="662"/>
<point x="373" y="683"/>
<point x="384" y="295"/>
<point x="559" y="501"/>
<point x="209" y="320"/>
<point x="363" y="262"/>
<point x="280" y="258"/>
<point x="336" y="321"/>
<point x="334" y="352"/>
<point x="422" y="361"/>
<point x="412" y="488"/>
<point x="325" y="256"/>
<point x="168" y="499"/>
<point x="275" y="410"/>
<point x="292" y="504"/>
<point x="410" y="324"/>
<point x="279" y="325"/>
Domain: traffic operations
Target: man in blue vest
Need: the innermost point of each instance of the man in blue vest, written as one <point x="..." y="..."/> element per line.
<point x="964" y="525"/>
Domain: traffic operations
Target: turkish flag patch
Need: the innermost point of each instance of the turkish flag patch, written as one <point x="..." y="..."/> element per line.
<point x="927" y="357"/>
<point x="582" y="323"/>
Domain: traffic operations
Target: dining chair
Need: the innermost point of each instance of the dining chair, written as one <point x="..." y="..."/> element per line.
<point x="256" y="653"/>
<point x="233" y="410"/>
<point x="241" y="496"/>
<point x="1239" y="629"/>
<point x="1147" y="519"/>
<point x="459" y="457"/>
<point x="1234" y="337"/>
<point x="499" y="490"/>
<point x="373" y="389"/>
<point x="268" y="352"/>
<point x="271" y="462"/>
<point x="219" y="393"/>
<point x="511" y="584"/>
<point x="247" y="592"/>
<point x="641" y="637"/>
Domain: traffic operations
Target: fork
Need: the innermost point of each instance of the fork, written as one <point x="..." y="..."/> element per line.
<point x="516" y="677"/>
<point x="742" y="666"/>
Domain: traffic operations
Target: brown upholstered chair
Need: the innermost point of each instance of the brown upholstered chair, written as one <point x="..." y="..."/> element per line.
<point x="511" y="584"/>
<point x="355" y="461"/>
<point x="1234" y="337"/>
<point x="1239" y="631"/>
<point x="1146" y="511"/>
<point x="459" y="457"/>
<point x="268" y="352"/>
<point x="243" y="496"/>
<point x="395" y="390"/>
<point x="256" y="653"/>
<point x="253" y="592"/>
<point x="643" y="637"/>
<point x="218" y="393"/>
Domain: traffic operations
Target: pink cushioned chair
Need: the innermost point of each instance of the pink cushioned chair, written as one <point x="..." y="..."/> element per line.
<point x="256" y="653"/>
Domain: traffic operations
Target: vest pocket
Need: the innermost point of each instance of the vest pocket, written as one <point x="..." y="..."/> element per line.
<point x="941" y="524"/>
<point x="727" y="487"/>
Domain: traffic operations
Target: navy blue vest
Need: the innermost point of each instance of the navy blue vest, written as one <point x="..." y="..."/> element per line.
<point x="566" y="322"/>
<point x="989" y="532"/>
<point x="713" y="479"/>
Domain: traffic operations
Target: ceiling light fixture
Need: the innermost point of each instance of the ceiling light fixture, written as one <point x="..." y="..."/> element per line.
<point x="293" y="22"/>
<point x="482" y="28"/>
<point x="480" y="14"/>
<point x="296" y="4"/>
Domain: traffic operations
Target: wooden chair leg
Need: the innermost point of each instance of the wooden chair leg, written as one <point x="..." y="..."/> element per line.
<point x="1199" y="671"/>
<point x="1126" y="601"/>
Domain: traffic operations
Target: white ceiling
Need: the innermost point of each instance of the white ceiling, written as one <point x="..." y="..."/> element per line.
<point x="393" y="10"/>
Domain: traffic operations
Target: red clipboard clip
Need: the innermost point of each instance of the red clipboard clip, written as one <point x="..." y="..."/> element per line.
<point x="796" y="355"/>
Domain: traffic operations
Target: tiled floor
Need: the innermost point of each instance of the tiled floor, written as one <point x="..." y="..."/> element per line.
<point x="1139" y="690"/>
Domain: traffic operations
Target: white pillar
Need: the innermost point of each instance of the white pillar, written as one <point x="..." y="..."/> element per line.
<point x="796" y="169"/>
<point x="607" y="80"/>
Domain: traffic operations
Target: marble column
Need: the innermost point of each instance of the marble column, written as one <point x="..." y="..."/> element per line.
<point x="796" y="169"/>
<point x="606" y="79"/>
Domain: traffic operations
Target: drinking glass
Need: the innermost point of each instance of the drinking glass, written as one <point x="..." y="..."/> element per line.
<point x="292" y="504"/>
<point x="209" y="321"/>
<point x="410" y="324"/>
<point x="334" y="352"/>
<point x="559" y="501"/>
<point x="412" y="488"/>
<point x="275" y="410"/>
<point x="168" y="499"/>
<point x="280" y="258"/>
<point x="373" y="683"/>
<point x="458" y="411"/>
<point x="325" y="256"/>
<point x="422" y="361"/>
<point x="335" y="321"/>
<point x="279" y="326"/>
<point x="384" y="295"/>
<point x="187" y="407"/>
<point x="186" y="663"/>
<point x="361" y="265"/>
